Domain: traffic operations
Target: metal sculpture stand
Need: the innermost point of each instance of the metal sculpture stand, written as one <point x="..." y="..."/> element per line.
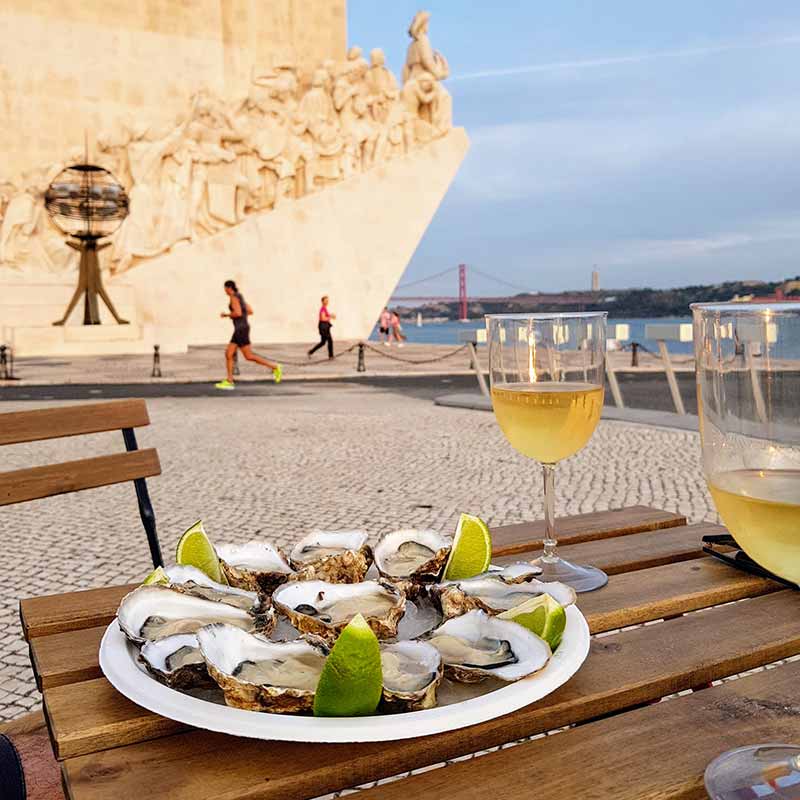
<point x="90" y="285"/>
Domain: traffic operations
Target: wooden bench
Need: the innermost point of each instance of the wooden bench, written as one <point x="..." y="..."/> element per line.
<point x="33" y="483"/>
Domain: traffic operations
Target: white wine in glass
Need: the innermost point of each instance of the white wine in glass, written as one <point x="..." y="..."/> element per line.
<point x="547" y="374"/>
<point x="748" y="394"/>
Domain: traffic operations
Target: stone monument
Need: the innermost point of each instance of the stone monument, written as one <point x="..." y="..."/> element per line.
<point x="281" y="159"/>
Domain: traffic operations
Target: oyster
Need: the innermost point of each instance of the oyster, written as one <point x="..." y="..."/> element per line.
<point x="411" y="673"/>
<point x="259" y="675"/>
<point x="176" y="661"/>
<point x="335" y="556"/>
<point x="150" y="613"/>
<point x="476" y="646"/>
<point x="324" y="608"/>
<point x="256" y="566"/>
<point x="517" y="572"/>
<point x="412" y="555"/>
<point x="492" y="593"/>
<point x="191" y="580"/>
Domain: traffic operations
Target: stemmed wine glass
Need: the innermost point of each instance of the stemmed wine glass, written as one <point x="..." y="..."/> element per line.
<point x="547" y="376"/>
<point x="748" y="395"/>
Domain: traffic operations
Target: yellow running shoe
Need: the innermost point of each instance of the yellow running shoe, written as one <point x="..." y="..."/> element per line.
<point x="277" y="373"/>
<point x="226" y="384"/>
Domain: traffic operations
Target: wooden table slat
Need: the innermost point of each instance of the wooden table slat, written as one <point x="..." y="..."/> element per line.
<point x="524" y="536"/>
<point x="623" y="670"/>
<point x="628" y="599"/>
<point x="624" y="757"/>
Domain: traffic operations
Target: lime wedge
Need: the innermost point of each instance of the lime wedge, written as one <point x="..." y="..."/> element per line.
<point x="471" y="553"/>
<point x="195" y="550"/>
<point x="156" y="576"/>
<point x="352" y="680"/>
<point x="541" y="615"/>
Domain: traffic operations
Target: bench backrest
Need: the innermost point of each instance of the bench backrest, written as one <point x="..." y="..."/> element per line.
<point x="16" y="427"/>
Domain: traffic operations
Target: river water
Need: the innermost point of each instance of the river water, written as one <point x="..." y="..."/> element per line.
<point x="447" y="332"/>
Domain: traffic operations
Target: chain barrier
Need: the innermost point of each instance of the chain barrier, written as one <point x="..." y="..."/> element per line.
<point x="393" y="357"/>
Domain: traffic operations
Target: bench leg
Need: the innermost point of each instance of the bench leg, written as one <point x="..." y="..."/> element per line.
<point x="476" y="365"/>
<point x="673" y="383"/>
<point x="145" y="506"/>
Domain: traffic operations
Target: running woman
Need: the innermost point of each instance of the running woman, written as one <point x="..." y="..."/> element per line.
<point x="324" y="326"/>
<point x="238" y="312"/>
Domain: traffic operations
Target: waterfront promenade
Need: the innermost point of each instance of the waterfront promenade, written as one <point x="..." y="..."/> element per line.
<point x="309" y="456"/>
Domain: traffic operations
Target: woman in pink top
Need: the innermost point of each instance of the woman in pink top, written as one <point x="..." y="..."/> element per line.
<point x="384" y="328"/>
<point x="324" y="326"/>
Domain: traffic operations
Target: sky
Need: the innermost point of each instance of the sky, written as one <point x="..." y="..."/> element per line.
<point x="658" y="143"/>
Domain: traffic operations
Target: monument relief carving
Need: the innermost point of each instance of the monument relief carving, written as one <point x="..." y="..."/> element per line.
<point x="226" y="158"/>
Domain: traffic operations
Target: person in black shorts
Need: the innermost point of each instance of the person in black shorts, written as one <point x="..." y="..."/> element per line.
<point x="238" y="312"/>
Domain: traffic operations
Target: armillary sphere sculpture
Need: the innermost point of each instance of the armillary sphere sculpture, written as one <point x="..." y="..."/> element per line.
<point x="87" y="203"/>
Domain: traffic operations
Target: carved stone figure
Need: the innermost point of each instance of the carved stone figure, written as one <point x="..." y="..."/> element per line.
<point x="220" y="161"/>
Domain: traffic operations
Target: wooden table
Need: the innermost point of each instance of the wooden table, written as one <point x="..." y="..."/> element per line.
<point x="622" y="745"/>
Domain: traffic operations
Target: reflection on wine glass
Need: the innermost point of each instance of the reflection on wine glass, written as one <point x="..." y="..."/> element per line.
<point x="748" y="396"/>
<point x="748" y="392"/>
<point x="547" y="375"/>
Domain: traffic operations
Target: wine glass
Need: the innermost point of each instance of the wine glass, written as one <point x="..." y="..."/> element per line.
<point x="547" y="383"/>
<point x="748" y="396"/>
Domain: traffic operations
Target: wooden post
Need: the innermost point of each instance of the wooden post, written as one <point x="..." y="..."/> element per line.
<point x="673" y="383"/>
<point x="758" y="395"/>
<point x="616" y="393"/>
<point x="476" y="365"/>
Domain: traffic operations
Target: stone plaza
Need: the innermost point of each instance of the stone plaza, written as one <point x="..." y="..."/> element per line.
<point x="275" y="466"/>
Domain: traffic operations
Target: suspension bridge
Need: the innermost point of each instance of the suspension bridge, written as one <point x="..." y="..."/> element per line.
<point x="401" y="293"/>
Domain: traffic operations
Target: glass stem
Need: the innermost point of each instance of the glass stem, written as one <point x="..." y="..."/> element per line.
<point x="549" y="471"/>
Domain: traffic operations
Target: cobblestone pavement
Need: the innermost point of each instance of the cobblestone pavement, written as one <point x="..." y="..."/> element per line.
<point x="275" y="467"/>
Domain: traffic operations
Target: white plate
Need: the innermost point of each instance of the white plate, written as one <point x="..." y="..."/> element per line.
<point x="119" y="665"/>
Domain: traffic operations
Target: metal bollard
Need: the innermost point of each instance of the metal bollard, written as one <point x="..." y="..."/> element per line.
<point x="7" y="363"/>
<point x="156" y="373"/>
<point x="235" y="362"/>
<point x="634" y="354"/>
<point x="361" y="366"/>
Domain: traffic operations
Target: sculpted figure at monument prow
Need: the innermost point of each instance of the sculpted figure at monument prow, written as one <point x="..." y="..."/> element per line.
<point x="290" y="135"/>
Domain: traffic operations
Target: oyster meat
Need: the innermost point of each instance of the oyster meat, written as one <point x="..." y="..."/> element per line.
<point x="417" y="555"/>
<point x="476" y="646"/>
<point x="490" y="592"/>
<point x="150" y="613"/>
<point x="324" y="608"/>
<point x="411" y="673"/>
<point x="255" y="566"/>
<point x="259" y="675"/>
<point x="176" y="661"/>
<point x="335" y="556"/>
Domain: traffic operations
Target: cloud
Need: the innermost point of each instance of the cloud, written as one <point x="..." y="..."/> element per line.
<point x="634" y="58"/>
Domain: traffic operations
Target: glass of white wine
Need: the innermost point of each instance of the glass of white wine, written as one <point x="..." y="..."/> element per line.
<point x="748" y="395"/>
<point x="547" y="376"/>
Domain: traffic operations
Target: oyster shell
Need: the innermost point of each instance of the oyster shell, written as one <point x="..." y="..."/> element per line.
<point x="335" y="556"/>
<point x="517" y="572"/>
<point x="150" y="613"/>
<point x="408" y="554"/>
<point x="193" y="581"/>
<point x="255" y="566"/>
<point x="176" y="661"/>
<point x="259" y="675"/>
<point x="411" y="673"/>
<point x="492" y="593"/>
<point x="476" y="646"/>
<point x="324" y="608"/>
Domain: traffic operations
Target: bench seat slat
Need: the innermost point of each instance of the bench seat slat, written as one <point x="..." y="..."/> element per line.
<point x="34" y="483"/>
<point x="54" y="423"/>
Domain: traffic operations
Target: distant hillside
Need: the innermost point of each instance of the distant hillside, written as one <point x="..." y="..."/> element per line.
<point x="618" y="302"/>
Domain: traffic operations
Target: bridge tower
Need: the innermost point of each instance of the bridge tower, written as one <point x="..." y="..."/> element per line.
<point x="462" y="292"/>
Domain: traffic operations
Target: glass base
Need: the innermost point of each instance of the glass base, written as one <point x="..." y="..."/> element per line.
<point x="580" y="577"/>
<point x="765" y="770"/>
